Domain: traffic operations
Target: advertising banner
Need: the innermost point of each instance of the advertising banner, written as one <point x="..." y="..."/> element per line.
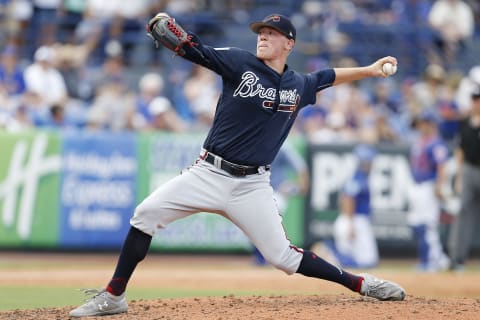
<point x="390" y="177"/>
<point x="97" y="191"/>
<point x="29" y="178"/>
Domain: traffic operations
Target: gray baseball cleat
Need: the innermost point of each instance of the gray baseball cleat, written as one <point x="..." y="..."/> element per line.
<point x="381" y="289"/>
<point x="101" y="304"/>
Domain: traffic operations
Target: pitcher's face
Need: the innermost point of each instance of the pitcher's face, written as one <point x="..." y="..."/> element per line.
<point x="272" y="44"/>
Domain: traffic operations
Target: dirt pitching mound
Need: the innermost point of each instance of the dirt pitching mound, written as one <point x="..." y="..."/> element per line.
<point x="277" y="307"/>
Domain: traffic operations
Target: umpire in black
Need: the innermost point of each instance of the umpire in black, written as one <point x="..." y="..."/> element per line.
<point x="468" y="184"/>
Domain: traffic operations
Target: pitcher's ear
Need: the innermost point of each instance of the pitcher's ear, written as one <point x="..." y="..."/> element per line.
<point x="290" y="44"/>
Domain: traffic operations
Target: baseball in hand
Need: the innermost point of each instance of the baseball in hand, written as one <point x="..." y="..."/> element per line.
<point x="389" y="68"/>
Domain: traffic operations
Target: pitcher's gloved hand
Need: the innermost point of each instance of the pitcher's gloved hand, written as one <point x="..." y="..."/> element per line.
<point x="164" y="30"/>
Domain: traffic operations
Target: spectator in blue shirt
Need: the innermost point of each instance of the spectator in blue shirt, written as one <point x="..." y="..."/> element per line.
<point x="11" y="74"/>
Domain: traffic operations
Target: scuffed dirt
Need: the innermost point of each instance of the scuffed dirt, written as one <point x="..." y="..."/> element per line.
<point x="278" y="307"/>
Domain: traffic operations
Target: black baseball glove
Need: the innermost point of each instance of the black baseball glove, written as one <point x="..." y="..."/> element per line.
<point x="165" y="30"/>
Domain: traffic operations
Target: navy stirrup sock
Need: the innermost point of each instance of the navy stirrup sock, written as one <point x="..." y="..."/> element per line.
<point x="314" y="266"/>
<point x="134" y="250"/>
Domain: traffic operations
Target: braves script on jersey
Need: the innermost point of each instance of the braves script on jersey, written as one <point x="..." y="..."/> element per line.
<point x="258" y="106"/>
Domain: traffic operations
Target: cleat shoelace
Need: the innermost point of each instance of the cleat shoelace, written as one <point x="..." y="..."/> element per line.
<point x="91" y="294"/>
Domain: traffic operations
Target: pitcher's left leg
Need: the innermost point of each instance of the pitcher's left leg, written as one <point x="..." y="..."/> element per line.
<point x="252" y="208"/>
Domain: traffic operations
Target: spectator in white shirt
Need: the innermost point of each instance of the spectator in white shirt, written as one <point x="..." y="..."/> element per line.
<point x="44" y="81"/>
<point x="453" y="23"/>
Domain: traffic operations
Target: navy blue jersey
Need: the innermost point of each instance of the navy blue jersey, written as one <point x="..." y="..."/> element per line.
<point x="257" y="106"/>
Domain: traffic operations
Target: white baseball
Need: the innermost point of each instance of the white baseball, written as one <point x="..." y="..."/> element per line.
<point x="389" y="68"/>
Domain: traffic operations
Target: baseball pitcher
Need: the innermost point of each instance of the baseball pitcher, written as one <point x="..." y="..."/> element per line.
<point x="261" y="97"/>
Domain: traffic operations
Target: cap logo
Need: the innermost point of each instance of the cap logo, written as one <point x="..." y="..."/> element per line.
<point x="276" y="18"/>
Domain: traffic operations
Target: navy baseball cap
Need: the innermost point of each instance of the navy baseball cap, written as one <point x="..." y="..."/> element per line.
<point x="278" y="22"/>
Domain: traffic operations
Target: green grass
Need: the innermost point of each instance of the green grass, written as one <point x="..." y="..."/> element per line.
<point x="31" y="297"/>
<point x="42" y="296"/>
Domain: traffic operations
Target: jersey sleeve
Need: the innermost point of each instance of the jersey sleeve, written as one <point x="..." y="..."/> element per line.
<point x="439" y="153"/>
<point x="317" y="81"/>
<point x="324" y="79"/>
<point x="223" y="61"/>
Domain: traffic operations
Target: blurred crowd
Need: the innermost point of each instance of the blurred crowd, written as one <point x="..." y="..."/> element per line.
<point x="87" y="64"/>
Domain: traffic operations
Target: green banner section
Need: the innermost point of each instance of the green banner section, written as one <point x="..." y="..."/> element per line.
<point x="30" y="166"/>
<point x="293" y="218"/>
